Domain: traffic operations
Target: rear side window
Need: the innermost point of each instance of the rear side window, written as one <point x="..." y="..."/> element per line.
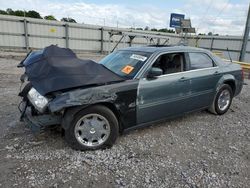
<point x="200" y="61"/>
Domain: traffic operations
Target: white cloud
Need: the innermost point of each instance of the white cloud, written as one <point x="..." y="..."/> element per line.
<point x="218" y="16"/>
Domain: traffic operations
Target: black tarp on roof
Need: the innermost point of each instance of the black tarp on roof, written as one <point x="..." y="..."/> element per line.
<point x="54" y="69"/>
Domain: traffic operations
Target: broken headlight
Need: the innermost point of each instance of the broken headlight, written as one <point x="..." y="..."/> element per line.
<point x="39" y="102"/>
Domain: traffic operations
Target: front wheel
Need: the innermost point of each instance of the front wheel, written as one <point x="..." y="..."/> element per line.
<point x="222" y="101"/>
<point x="92" y="128"/>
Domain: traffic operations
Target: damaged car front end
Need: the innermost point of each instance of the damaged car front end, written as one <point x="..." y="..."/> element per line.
<point x="58" y="86"/>
<point x="34" y="110"/>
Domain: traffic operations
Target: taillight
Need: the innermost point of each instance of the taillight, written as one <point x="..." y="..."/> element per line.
<point x="242" y="74"/>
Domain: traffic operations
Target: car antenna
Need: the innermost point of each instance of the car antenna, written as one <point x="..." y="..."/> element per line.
<point x="229" y="55"/>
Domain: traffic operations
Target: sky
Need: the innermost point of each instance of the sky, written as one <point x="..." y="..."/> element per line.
<point x="225" y="17"/>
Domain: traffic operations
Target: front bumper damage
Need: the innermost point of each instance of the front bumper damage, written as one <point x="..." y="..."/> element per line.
<point x="40" y="122"/>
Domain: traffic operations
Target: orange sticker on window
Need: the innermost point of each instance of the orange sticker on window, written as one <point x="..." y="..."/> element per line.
<point x="127" y="69"/>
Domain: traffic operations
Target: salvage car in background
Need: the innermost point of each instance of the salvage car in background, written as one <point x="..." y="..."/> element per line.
<point x="129" y="88"/>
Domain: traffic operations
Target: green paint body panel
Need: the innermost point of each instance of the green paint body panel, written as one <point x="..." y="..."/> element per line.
<point x="175" y="94"/>
<point x="170" y="95"/>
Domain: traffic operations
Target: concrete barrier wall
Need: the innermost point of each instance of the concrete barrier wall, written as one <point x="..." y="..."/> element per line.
<point x="26" y="33"/>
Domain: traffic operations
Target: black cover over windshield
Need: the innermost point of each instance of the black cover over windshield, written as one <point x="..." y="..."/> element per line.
<point x="54" y="69"/>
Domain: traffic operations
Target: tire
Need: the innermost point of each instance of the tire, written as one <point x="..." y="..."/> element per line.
<point x="85" y="129"/>
<point x="216" y="107"/>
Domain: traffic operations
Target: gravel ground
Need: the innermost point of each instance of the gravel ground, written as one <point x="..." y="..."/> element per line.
<point x="197" y="150"/>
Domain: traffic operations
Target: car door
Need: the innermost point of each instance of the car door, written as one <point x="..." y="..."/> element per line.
<point x="162" y="96"/>
<point x="204" y="75"/>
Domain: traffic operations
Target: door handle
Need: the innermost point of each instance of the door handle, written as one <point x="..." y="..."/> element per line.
<point x="183" y="79"/>
<point x="216" y="72"/>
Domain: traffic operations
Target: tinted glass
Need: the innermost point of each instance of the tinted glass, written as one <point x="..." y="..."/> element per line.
<point x="200" y="61"/>
<point x="125" y="63"/>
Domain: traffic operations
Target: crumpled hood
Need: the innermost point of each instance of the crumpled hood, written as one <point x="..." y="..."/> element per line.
<point x="54" y="69"/>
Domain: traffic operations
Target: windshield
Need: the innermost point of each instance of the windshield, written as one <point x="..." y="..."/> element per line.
<point x="125" y="63"/>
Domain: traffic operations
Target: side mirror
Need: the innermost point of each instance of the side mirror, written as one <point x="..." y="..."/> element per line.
<point x="154" y="71"/>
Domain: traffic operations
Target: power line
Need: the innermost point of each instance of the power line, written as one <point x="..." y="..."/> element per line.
<point x="216" y="17"/>
<point x="210" y="3"/>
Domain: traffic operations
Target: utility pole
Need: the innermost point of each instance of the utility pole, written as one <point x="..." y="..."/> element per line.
<point x="245" y="37"/>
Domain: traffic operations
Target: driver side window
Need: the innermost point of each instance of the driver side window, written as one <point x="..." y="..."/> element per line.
<point x="170" y="63"/>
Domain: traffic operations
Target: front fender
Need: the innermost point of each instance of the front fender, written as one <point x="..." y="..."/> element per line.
<point x="121" y="96"/>
<point x="81" y="97"/>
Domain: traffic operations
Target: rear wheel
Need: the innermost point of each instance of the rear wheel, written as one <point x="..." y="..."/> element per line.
<point x="92" y="128"/>
<point x="222" y="101"/>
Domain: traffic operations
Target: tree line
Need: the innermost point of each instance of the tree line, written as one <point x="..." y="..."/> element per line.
<point x="165" y="30"/>
<point x="33" y="14"/>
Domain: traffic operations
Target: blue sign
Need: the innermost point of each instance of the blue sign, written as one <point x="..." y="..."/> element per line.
<point x="175" y="20"/>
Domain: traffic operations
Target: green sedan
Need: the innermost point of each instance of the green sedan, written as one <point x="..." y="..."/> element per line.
<point x="129" y="88"/>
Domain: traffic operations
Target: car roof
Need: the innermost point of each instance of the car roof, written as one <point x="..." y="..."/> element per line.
<point x="153" y="49"/>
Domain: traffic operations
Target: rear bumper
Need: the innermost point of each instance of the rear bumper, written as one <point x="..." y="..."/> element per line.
<point x="239" y="87"/>
<point x="39" y="123"/>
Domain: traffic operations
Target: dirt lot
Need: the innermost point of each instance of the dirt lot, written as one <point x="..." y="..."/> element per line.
<point x="198" y="150"/>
